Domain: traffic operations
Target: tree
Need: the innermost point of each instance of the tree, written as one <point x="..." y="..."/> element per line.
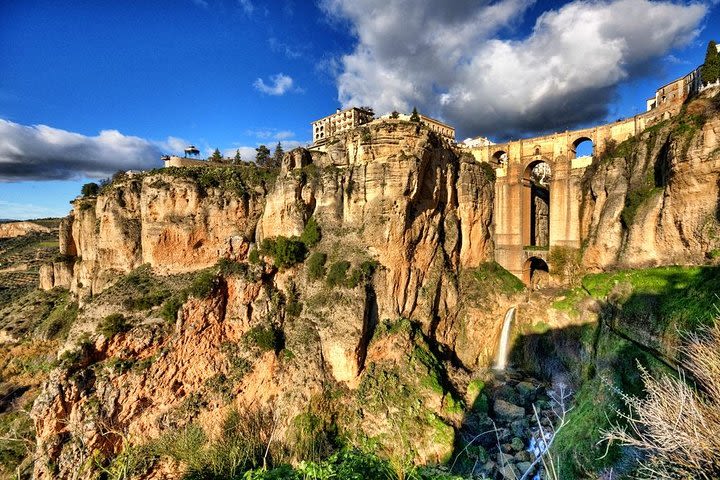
<point x="395" y="114"/>
<point x="90" y="189"/>
<point x="262" y="157"/>
<point x="711" y="69"/>
<point x="415" y="117"/>
<point x="237" y="159"/>
<point x="278" y="155"/>
<point x="216" y="156"/>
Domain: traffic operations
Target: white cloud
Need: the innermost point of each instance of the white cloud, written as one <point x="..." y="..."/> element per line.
<point x="279" y="84"/>
<point x="40" y="152"/>
<point x="450" y="60"/>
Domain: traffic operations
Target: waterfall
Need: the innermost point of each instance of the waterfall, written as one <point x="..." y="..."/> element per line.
<point x="504" y="338"/>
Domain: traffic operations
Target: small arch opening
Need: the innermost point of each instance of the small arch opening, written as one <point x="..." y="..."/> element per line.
<point x="500" y="157"/>
<point x="536" y="273"/>
<point x="583" y="147"/>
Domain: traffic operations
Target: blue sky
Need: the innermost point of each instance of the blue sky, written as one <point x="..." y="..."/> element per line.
<point x="90" y="87"/>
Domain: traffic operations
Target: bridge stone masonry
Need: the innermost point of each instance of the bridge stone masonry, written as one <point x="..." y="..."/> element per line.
<point x="538" y="191"/>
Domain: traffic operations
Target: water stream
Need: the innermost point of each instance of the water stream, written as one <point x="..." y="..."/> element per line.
<point x="501" y="361"/>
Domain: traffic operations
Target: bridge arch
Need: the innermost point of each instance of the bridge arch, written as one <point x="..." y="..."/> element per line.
<point x="583" y="147"/>
<point x="500" y="157"/>
<point x="535" y="272"/>
<point x="536" y="204"/>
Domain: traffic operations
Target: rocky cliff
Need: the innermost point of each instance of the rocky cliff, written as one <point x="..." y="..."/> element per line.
<point x="348" y="295"/>
<point x="404" y="218"/>
<point x="653" y="200"/>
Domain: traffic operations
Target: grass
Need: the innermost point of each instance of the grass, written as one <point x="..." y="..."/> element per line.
<point x="682" y="297"/>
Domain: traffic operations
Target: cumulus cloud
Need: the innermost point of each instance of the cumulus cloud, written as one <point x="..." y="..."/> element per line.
<point x="40" y="152"/>
<point x="279" y="84"/>
<point x="450" y="59"/>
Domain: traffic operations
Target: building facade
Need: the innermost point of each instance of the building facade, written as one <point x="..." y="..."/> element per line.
<point x="339" y="122"/>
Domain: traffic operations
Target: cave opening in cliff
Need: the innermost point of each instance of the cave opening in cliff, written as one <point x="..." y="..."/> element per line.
<point x="536" y="204"/>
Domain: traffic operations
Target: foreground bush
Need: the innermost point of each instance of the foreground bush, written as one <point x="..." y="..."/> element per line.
<point x="677" y="424"/>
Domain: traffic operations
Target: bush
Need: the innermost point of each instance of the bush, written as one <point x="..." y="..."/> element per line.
<point x="337" y="275"/>
<point x="316" y="266"/>
<point x="90" y="189"/>
<point x="676" y="425"/>
<point x="146" y="302"/>
<point x="254" y="256"/>
<point x="170" y="308"/>
<point x="113" y="324"/>
<point x="203" y="284"/>
<point x="311" y="234"/>
<point x="266" y="338"/>
<point x="286" y="252"/>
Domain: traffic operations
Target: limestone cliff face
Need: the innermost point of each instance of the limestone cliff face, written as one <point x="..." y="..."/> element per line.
<point x="394" y="194"/>
<point x="654" y="199"/>
<point x="167" y="221"/>
<point x="18" y="229"/>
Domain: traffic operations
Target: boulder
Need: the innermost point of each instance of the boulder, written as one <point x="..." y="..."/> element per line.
<point x="507" y="411"/>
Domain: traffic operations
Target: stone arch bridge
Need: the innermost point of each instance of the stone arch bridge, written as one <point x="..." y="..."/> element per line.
<point x="537" y="191"/>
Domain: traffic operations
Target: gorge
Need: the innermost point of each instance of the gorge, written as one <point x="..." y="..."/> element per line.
<point x="351" y="302"/>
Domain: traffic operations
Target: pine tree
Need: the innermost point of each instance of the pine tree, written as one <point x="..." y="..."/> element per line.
<point x="216" y="156"/>
<point x="711" y="69"/>
<point x="237" y="159"/>
<point x="262" y="157"/>
<point x="278" y="155"/>
<point x="415" y="117"/>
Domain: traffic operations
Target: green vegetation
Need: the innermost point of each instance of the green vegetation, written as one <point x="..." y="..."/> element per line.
<point x="285" y="252"/>
<point x="265" y="338"/>
<point x="315" y="266"/>
<point x="415" y="117"/>
<point x="337" y="274"/>
<point x="113" y="324"/>
<point x="311" y="234"/>
<point x="263" y="158"/>
<point x="203" y="284"/>
<point x="711" y="68"/>
<point x="487" y="279"/>
<point x="216" y="156"/>
<point x="658" y="298"/>
<point x="90" y="189"/>
<point x="636" y="196"/>
<point x="63" y="314"/>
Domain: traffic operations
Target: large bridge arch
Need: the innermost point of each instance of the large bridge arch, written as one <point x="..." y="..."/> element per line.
<point x="535" y="272"/>
<point x="536" y="203"/>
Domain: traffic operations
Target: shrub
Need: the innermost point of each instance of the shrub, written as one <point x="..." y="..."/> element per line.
<point x="203" y="284"/>
<point x="337" y="273"/>
<point x="146" y="302"/>
<point x="316" y="266"/>
<point x="170" y="308"/>
<point x="228" y="267"/>
<point x="311" y="234"/>
<point x="113" y="324"/>
<point x="293" y="306"/>
<point x="266" y="338"/>
<point x="286" y="252"/>
<point x="254" y="256"/>
<point x="90" y="189"/>
<point x="676" y="425"/>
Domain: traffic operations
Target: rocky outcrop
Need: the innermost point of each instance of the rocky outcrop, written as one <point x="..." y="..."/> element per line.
<point x="167" y="220"/>
<point x="18" y="229"/>
<point x="653" y="200"/>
